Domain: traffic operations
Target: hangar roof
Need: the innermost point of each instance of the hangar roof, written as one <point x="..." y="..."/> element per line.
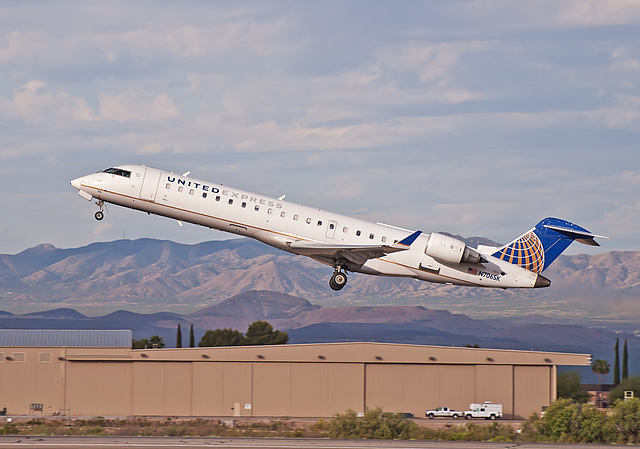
<point x="65" y="338"/>
<point x="352" y="352"/>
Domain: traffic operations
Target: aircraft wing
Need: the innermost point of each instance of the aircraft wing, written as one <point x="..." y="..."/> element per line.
<point x="356" y="254"/>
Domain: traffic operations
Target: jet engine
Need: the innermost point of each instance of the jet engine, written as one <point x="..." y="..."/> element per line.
<point x="447" y="249"/>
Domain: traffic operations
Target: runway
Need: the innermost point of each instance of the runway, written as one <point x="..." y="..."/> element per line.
<point x="62" y="442"/>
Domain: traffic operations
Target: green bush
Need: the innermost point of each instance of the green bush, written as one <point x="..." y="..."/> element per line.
<point x="568" y="422"/>
<point x="626" y="421"/>
<point x="560" y="422"/>
<point x="9" y="429"/>
<point x="374" y="424"/>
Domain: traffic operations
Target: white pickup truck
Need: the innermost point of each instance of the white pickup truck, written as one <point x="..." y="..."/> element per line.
<point x="445" y="412"/>
<point x="486" y="410"/>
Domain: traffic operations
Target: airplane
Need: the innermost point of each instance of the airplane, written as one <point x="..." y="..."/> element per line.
<point x="344" y="243"/>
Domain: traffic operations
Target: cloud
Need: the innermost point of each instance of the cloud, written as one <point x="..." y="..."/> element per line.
<point x="35" y="102"/>
<point x="545" y="14"/>
<point x="138" y="106"/>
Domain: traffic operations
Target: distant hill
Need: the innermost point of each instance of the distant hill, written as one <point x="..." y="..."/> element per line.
<point x="148" y="275"/>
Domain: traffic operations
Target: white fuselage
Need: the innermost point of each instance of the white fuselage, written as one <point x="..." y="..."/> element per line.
<point x="281" y="223"/>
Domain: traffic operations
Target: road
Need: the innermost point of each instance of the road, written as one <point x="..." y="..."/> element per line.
<point x="63" y="442"/>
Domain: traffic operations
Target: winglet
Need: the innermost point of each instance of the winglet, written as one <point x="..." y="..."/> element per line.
<point x="407" y="241"/>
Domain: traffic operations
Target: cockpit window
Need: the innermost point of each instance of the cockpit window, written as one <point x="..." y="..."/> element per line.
<point x="118" y="171"/>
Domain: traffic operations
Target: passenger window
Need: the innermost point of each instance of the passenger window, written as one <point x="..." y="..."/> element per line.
<point x="168" y="186"/>
<point x="218" y="198"/>
<point x="180" y="188"/>
<point x="257" y="208"/>
<point x="319" y="223"/>
<point x="244" y="204"/>
<point x="295" y="217"/>
<point x="270" y="211"/>
<point x="345" y="229"/>
<point x="371" y="236"/>
<point x="384" y="239"/>
<point x="230" y="201"/>
<point x="191" y="191"/>
<point x="308" y="220"/>
<point x="282" y="214"/>
<point x="331" y="226"/>
<point x="358" y="233"/>
<point x="204" y="194"/>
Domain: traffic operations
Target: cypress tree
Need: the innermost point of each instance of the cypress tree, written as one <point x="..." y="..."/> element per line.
<point x="616" y="364"/>
<point x="179" y="338"/>
<point x="625" y="361"/>
<point x="192" y="338"/>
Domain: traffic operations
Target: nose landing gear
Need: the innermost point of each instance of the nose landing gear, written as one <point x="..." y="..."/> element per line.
<point x="100" y="214"/>
<point x="338" y="279"/>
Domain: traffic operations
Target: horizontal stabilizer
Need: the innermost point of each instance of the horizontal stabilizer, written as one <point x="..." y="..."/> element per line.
<point x="577" y="234"/>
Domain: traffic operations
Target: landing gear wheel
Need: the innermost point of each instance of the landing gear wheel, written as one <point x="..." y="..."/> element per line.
<point x="99" y="215"/>
<point x="338" y="280"/>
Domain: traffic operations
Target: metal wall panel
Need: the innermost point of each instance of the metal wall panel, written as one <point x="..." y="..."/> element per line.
<point x="208" y="389"/>
<point x="99" y="389"/>
<point x="495" y="384"/>
<point x="25" y="380"/>
<point x="148" y="386"/>
<point x="237" y="394"/>
<point x="309" y="390"/>
<point x="346" y="386"/>
<point x="532" y="389"/>
<point x="177" y="389"/>
<point x="271" y="389"/>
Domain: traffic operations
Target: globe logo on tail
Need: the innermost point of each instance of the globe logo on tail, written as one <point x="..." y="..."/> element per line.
<point x="526" y="252"/>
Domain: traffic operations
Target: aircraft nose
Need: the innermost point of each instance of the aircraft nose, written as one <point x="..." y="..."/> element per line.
<point x="76" y="183"/>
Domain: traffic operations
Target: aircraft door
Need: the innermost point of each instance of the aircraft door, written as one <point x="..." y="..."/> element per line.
<point x="331" y="229"/>
<point x="150" y="184"/>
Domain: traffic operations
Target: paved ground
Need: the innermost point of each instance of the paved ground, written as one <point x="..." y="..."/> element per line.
<point x="20" y="442"/>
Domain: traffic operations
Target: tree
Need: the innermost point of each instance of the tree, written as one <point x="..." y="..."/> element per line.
<point x="221" y="337"/>
<point x="262" y="333"/>
<point x="625" y="361"/>
<point x="601" y="367"/>
<point x="143" y="343"/>
<point x="258" y="333"/>
<point x="156" y="340"/>
<point x="569" y="387"/>
<point x="192" y="338"/>
<point x="179" y="337"/>
<point x="629" y="384"/>
<point x="616" y="364"/>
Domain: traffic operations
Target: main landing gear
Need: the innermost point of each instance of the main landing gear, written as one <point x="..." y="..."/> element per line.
<point x="100" y="214"/>
<point x="338" y="279"/>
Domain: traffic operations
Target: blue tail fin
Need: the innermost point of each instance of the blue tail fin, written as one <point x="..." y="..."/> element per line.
<point x="539" y="247"/>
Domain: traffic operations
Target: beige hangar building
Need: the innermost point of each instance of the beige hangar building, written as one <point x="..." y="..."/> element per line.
<point x="96" y="373"/>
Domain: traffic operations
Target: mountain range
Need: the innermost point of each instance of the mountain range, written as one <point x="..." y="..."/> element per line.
<point x="148" y="275"/>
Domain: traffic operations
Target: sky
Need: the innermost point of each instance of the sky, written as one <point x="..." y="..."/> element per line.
<point x="477" y="118"/>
